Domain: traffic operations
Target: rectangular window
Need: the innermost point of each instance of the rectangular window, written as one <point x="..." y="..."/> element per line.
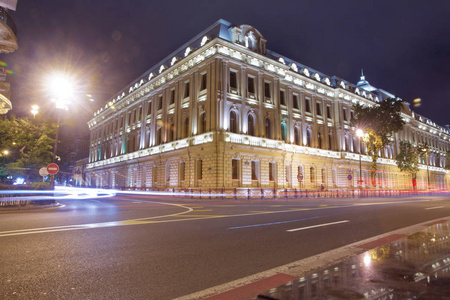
<point x="168" y="173"/>
<point x="251" y="85"/>
<point x="272" y="171"/>
<point x="351" y="115"/>
<point x="140" y="114"/>
<point x="129" y="118"/>
<point x="266" y="89"/>
<point x="282" y="99"/>
<point x="295" y="102"/>
<point x="318" y="110"/>
<point x="308" y="106"/>
<point x="187" y="86"/>
<point x="182" y="171"/>
<point x="203" y="84"/>
<point x="172" y="96"/>
<point x="121" y="121"/>
<point x="149" y="108"/>
<point x="160" y="102"/>
<point x="345" y="114"/>
<point x="199" y="169"/>
<point x="233" y="80"/>
<point x="328" y="112"/>
<point x="235" y="168"/>
<point x="254" y="170"/>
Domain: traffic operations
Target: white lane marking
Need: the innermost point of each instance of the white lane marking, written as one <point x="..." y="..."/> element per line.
<point x="315" y="226"/>
<point x="91" y="225"/>
<point x="435" y="207"/>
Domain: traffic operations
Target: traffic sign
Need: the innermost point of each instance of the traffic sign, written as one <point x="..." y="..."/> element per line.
<point x="43" y="172"/>
<point x="349" y="171"/>
<point x="349" y="177"/>
<point x="52" y="169"/>
<point x="300" y="176"/>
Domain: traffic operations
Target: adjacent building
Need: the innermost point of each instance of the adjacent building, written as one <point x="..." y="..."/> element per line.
<point x="224" y="112"/>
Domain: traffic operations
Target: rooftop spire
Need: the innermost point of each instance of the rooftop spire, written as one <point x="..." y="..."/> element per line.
<point x="362" y="75"/>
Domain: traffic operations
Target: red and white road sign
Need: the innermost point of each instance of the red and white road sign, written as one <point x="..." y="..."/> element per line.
<point x="52" y="169"/>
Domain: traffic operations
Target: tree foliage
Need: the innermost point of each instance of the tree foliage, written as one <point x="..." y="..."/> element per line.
<point x="378" y="122"/>
<point x="408" y="159"/>
<point x="28" y="142"/>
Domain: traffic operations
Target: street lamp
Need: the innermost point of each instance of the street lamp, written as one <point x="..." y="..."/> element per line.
<point x="360" y="134"/>
<point x="34" y="110"/>
<point x="62" y="91"/>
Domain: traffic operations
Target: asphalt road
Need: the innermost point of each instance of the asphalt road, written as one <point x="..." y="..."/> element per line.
<point x="134" y="247"/>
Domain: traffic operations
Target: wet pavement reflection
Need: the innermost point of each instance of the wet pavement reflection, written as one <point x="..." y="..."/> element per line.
<point x="413" y="267"/>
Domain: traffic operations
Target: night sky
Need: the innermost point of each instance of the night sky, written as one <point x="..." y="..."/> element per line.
<point x="403" y="46"/>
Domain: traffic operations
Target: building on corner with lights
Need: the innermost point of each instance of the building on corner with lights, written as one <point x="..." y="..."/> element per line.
<point x="8" y="44"/>
<point x="223" y="112"/>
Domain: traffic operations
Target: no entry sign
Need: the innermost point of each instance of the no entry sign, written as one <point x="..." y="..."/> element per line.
<point x="52" y="169"/>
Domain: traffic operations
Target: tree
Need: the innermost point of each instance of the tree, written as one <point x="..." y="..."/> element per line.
<point x="408" y="160"/>
<point x="28" y="143"/>
<point x="379" y="122"/>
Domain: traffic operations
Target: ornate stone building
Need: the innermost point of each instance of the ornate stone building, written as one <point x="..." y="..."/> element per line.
<point x="223" y="111"/>
<point x="8" y="44"/>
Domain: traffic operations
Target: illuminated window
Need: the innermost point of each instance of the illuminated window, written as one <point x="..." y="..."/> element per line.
<point x="233" y="122"/>
<point x="203" y="80"/>
<point x="235" y="168"/>
<point x="272" y="170"/>
<point x="187" y="86"/>
<point x="233" y="80"/>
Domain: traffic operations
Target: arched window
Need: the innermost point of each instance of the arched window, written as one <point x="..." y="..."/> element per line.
<point x="251" y="125"/>
<point x="296" y="136"/>
<point x="186" y="127"/>
<point x="267" y="128"/>
<point x="319" y="140"/>
<point x="308" y="138"/>
<point x="233" y="122"/>
<point x="283" y="131"/>
<point x="312" y="175"/>
<point x="202" y="123"/>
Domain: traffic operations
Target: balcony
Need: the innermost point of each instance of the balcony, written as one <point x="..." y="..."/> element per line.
<point x="8" y="33"/>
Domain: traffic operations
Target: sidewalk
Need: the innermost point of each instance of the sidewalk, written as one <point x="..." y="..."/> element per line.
<point x="416" y="266"/>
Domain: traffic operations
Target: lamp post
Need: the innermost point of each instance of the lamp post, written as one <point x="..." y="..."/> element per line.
<point x="360" y="134"/>
<point x="61" y="91"/>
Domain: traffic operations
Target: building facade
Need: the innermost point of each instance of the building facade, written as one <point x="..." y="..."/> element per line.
<point x="8" y="44"/>
<point x="223" y="111"/>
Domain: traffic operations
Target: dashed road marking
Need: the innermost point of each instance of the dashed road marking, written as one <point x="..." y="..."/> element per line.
<point x="315" y="226"/>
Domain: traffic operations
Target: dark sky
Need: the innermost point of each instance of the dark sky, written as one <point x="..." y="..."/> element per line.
<point x="403" y="46"/>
